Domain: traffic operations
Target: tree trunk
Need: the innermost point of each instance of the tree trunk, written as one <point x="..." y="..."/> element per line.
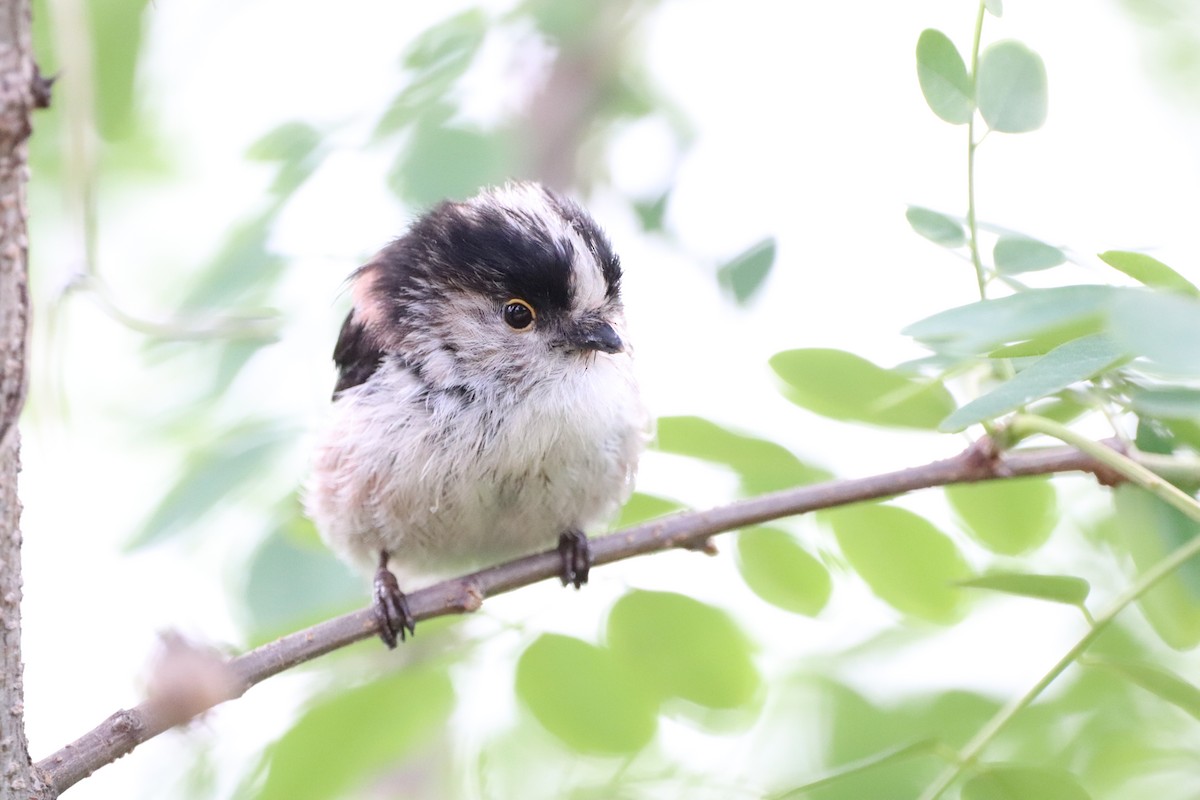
<point x="21" y="90"/>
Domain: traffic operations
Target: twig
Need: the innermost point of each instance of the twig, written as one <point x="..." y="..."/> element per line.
<point x="126" y="729"/>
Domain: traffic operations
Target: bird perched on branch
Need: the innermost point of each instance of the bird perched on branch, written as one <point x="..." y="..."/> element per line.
<point x="485" y="404"/>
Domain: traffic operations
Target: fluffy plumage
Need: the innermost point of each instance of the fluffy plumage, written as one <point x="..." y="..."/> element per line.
<point x="455" y="438"/>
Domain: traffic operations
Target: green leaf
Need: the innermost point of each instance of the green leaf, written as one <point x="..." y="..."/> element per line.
<point x="1008" y="517"/>
<point x="1163" y="327"/>
<point x="228" y="466"/>
<point x="1046" y="341"/>
<point x="289" y="586"/>
<point x="1055" y="588"/>
<point x="442" y="162"/>
<point x="744" y="274"/>
<point x="840" y="385"/>
<point x="680" y="647"/>
<point x="115" y="37"/>
<point x="652" y="212"/>
<point x="844" y="773"/>
<point x="936" y="227"/>
<point x="995" y="7"/>
<point x="761" y="465"/>
<point x="1011" y="88"/>
<point x="295" y="147"/>
<point x="983" y="326"/>
<point x="243" y="271"/>
<point x="452" y="42"/>
<point x="1155" y="679"/>
<point x="783" y="573"/>
<point x="343" y="735"/>
<point x="1148" y="529"/>
<point x="641" y="507"/>
<point x="1020" y="782"/>
<point x="1074" y="361"/>
<point x="943" y="77"/>
<point x="907" y="562"/>
<point x="1175" y="402"/>
<point x="1148" y="270"/>
<point x="585" y="696"/>
<point x="1016" y="254"/>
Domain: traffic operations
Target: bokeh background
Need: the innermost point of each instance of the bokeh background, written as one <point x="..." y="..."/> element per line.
<point x="209" y="174"/>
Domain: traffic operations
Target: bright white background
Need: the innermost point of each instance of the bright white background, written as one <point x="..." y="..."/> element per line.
<point x="811" y="128"/>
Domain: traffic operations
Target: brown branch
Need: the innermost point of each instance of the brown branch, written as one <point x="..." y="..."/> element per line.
<point x="126" y="729"/>
<point x="21" y="91"/>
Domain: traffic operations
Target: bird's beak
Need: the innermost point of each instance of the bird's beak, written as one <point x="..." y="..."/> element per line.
<point x="595" y="335"/>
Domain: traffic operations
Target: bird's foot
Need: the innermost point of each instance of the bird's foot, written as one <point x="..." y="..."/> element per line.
<point x="576" y="555"/>
<point x="392" y="615"/>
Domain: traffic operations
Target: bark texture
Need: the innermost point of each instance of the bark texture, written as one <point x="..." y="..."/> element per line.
<point x="21" y="90"/>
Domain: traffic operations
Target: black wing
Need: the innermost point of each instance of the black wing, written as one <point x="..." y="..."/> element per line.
<point x="357" y="355"/>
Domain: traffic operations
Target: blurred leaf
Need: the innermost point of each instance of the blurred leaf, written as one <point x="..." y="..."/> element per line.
<point x="652" y="213"/>
<point x="566" y="23"/>
<point x="744" y="274"/>
<point x="1063" y="408"/>
<point x="860" y="732"/>
<point x="1175" y="402"/>
<point x="907" y="562"/>
<point x="290" y="586"/>
<point x="1016" y="254"/>
<point x="1148" y="270"/>
<point x="116" y="36"/>
<point x="943" y="78"/>
<point x="1184" y="431"/>
<point x="855" y="769"/>
<point x="1155" y="679"/>
<point x="1153" y="437"/>
<point x="761" y="465"/>
<point x="840" y="385"/>
<point x="1008" y="517"/>
<point x="231" y="358"/>
<point x="209" y="477"/>
<point x="1161" y="326"/>
<point x="1020" y="782"/>
<point x="1148" y="529"/>
<point x="1066" y="364"/>
<point x="450" y="44"/>
<point x="936" y="227"/>
<point x="783" y="573"/>
<point x="295" y="147"/>
<point x="585" y="696"/>
<point x="985" y="325"/>
<point x="1055" y="588"/>
<point x="680" y="647"/>
<point x="996" y="7"/>
<point x="357" y="733"/>
<point x="642" y="507"/>
<point x="436" y="60"/>
<point x="443" y="162"/>
<point x="1046" y="341"/>
<point x="244" y="270"/>
<point x="1011" y="88"/>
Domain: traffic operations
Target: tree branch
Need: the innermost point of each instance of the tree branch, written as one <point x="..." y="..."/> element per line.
<point x="21" y="91"/>
<point x="126" y="729"/>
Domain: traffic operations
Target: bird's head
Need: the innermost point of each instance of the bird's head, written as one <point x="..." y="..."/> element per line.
<point x="517" y="284"/>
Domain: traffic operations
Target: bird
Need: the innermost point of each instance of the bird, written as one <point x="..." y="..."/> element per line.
<point x="486" y="403"/>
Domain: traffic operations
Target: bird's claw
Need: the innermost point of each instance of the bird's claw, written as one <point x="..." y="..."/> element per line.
<point x="392" y="615"/>
<point x="576" y="555"/>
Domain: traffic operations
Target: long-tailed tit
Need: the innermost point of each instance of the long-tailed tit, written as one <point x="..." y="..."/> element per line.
<point x="485" y="404"/>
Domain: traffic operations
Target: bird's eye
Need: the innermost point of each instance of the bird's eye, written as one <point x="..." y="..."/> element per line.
<point x="519" y="314"/>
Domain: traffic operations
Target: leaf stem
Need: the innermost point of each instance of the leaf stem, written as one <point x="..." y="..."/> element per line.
<point x="1023" y="425"/>
<point x="1134" y="472"/>
<point x="972" y="228"/>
